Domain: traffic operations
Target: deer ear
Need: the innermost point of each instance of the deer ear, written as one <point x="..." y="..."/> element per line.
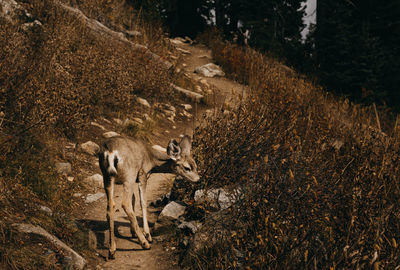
<point x="186" y="145"/>
<point x="174" y="150"/>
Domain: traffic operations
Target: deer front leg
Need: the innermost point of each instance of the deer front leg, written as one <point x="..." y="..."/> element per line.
<point x="143" y="203"/>
<point x="109" y="189"/>
<point x="127" y="206"/>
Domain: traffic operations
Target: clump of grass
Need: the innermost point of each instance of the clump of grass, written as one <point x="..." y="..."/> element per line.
<point x="319" y="180"/>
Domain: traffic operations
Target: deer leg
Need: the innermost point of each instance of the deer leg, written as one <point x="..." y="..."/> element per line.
<point x="127" y="206"/>
<point x="109" y="189"/>
<point x="143" y="202"/>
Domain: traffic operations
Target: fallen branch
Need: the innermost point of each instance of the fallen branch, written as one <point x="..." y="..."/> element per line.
<point x="78" y="261"/>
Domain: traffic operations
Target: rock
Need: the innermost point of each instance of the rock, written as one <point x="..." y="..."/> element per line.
<point x="110" y="134"/>
<point x="187" y="107"/>
<point x="97" y="125"/>
<point x="77" y="194"/>
<point x="171" y="118"/>
<point x="46" y="210"/>
<point x="188" y="40"/>
<point x="167" y="220"/>
<point x="76" y="261"/>
<point x="90" y="198"/>
<point x="176" y="41"/>
<point x="169" y="113"/>
<point x="30" y="25"/>
<point x="172" y="211"/>
<point x="188" y="115"/>
<point x="209" y="70"/>
<point x="95" y="180"/>
<point x="191" y="226"/>
<point x="196" y="97"/>
<point x="218" y="198"/>
<point x="183" y="51"/>
<point x="118" y="121"/>
<point x="204" y="81"/>
<point x="64" y="168"/>
<point x="90" y="148"/>
<point x="143" y="102"/>
<point x="70" y="178"/>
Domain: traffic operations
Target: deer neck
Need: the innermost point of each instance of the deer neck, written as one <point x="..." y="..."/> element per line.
<point x="161" y="162"/>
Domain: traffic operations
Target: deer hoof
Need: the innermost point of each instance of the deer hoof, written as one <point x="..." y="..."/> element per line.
<point x="146" y="245"/>
<point x="148" y="237"/>
<point x="111" y="255"/>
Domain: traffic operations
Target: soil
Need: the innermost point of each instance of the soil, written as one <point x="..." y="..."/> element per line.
<point x="163" y="254"/>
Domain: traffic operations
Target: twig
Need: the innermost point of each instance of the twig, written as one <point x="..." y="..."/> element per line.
<point x="378" y="122"/>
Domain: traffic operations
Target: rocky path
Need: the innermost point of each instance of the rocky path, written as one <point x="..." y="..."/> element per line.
<point x="162" y="254"/>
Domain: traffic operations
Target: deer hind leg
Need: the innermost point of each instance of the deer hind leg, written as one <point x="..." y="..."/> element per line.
<point x="109" y="189"/>
<point x="127" y="206"/>
<point x="143" y="203"/>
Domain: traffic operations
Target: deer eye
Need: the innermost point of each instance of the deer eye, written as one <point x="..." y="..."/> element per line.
<point x="187" y="168"/>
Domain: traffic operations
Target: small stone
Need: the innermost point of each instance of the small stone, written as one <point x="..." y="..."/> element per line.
<point x="118" y="121"/>
<point x="143" y="102"/>
<point x="204" y="81"/>
<point x="110" y="134"/>
<point x="187" y="107"/>
<point x="77" y="194"/>
<point x="188" y="115"/>
<point x="209" y="70"/>
<point x="183" y="51"/>
<point x="171" y="118"/>
<point x="173" y="210"/>
<point x="46" y="209"/>
<point x="64" y="168"/>
<point x="95" y="180"/>
<point x="90" y="148"/>
<point x="70" y="179"/>
<point x="90" y="198"/>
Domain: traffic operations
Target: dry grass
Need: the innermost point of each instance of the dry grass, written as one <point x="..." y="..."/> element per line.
<point x="54" y="79"/>
<point x="320" y="181"/>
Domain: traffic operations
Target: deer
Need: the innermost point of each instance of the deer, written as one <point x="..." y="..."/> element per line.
<point x="131" y="162"/>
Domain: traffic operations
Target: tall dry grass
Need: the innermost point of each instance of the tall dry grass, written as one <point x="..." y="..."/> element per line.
<point x="320" y="182"/>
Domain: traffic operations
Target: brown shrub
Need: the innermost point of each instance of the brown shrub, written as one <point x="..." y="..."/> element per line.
<point x="320" y="183"/>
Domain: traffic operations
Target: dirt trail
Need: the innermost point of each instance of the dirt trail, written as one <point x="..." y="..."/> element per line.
<point x="162" y="255"/>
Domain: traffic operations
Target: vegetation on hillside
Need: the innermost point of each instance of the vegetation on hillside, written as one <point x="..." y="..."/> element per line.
<point x="55" y="78"/>
<point x="319" y="180"/>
